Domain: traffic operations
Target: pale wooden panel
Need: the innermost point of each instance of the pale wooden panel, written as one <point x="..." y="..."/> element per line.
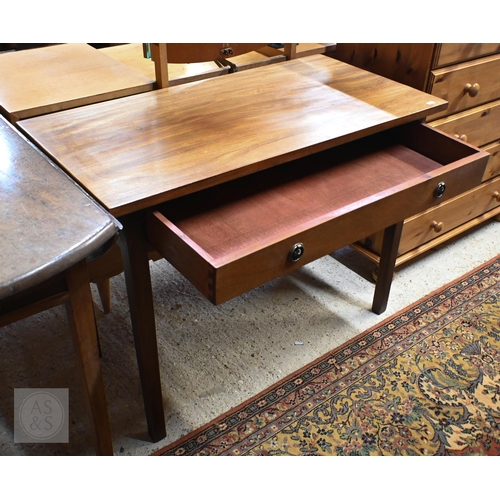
<point x="158" y="145"/>
<point x="132" y="55"/>
<point x="47" y="79"/>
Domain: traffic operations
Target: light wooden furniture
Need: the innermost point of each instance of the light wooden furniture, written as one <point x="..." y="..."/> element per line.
<point x="274" y="53"/>
<point x="132" y="54"/>
<point x="466" y="75"/>
<point x="253" y="59"/>
<point x="49" y="228"/>
<point x="293" y="50"/>
<point x="305" y="157"/>
<point x="166" y="54"/>
<point x="47" y="79"/>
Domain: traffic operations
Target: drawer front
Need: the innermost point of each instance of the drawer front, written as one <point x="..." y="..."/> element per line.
<point x="478" y="126"/>
<point x="231" y="238"/>
<point x="466" y="85"/>
<point x="493" y="167"/>
<point x="454" y="53"/>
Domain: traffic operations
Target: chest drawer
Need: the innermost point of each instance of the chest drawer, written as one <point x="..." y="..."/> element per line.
<point x="478" y="126"/>
<point x="437" y="221"/>
<point x="466" y="85"/>
<point x="233" y="237"/>
<point x="453" y="53"/>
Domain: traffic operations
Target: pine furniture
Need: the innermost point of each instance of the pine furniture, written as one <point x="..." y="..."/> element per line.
<point x="243" y="178"/>
<point x="132" y="54"/>
<point x="273" y="53"/>
<point x="47" y="79"/>
<point x="50" y="227"/>
<point x="467" y="76"/>
<point x="165" y="54"/>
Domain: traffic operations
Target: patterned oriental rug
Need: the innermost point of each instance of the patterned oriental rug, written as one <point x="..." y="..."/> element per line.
<point x="424" y="382"/>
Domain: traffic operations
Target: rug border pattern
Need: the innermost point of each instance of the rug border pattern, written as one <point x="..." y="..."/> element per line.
<point x="304" y="389"/>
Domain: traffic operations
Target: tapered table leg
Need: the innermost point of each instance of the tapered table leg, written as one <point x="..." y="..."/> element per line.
<point x="390" y="245"/>
<point x="137" y="275"/>
<point x="81" y="317"/>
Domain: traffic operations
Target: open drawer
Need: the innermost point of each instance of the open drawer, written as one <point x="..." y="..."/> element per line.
<point x="235" y="236"/>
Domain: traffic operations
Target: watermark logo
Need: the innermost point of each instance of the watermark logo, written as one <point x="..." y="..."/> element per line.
<point x="41" y="416"/>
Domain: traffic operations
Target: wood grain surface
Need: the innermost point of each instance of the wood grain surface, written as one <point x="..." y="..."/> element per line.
<point x="47" y="222"/>
<point x="138" y="151"/>
<point x="47" y="79"/>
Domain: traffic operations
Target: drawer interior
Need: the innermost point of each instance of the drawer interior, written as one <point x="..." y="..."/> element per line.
<point x="229" y="221"/>
<point x="235" y="236"/>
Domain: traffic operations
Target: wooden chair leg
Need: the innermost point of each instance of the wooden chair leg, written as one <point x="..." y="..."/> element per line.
<point x="290" y="50"/>
<point x="82" y="322"/>
<point x="104" y="289"/>
<point x="390" y="245"/>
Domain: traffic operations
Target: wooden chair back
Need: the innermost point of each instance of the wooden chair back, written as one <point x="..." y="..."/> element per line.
<point x="164" y="53"/>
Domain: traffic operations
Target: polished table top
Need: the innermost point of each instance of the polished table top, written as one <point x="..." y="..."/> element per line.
<point x="47" y="222"/>
<point x="46" y="79"/>
<point x="135" y="152"/>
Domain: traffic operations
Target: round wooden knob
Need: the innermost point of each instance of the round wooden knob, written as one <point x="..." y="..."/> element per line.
<point x="462" y="137"/>
<point x="437" y="226"/>
<point x="472" y="89"/>
<point x="496" y="195"/>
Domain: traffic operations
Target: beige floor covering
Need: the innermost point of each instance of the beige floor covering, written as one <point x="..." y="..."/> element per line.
<point x="214" y="357"/>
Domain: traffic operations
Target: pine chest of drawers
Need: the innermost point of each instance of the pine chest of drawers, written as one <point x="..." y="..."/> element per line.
<point x="468" y="77"/>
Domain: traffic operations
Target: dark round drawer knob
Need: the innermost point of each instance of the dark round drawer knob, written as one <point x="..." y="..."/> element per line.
<point x="296" y="252"/>
<point x="440" y="189"/>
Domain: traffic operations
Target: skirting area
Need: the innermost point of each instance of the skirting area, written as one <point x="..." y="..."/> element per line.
<point x="215" y="357"/>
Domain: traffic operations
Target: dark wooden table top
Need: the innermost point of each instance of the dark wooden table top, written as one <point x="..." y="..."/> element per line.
<point x="135" y="152"/>
<point x="47" y="222"/>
